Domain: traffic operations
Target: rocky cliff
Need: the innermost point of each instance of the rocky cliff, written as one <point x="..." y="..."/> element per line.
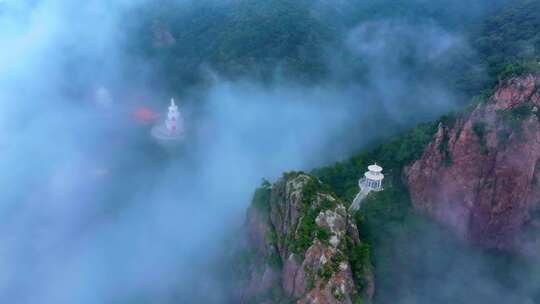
<point x="302" y="247"/>
<point x="481" y="174"/>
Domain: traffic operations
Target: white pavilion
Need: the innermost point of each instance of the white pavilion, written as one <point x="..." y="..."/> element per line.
<point x="372" y="178"/>
<point x="372" y="181"/>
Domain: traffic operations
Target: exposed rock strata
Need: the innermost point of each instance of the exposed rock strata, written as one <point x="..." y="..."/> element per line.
<point x="480" y="175"/>
<point x="304" y="248"/>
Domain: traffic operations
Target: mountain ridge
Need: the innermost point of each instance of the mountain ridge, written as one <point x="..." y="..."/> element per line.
<point x="479" y="174"/>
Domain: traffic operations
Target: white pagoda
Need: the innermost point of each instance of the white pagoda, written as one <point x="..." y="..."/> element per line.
<point x="173" y="123"/>
<point x="172" y="131"/>
<point x="372" y="181"/>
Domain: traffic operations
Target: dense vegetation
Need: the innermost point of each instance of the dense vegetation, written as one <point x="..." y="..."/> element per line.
<point x="386" y="217"/>
<point x="509" y="42"/>
<point x="393" y="155"/>
<point x="408" y="251"/>
<point x="305" y="41"/>
<point x="315" y="199"/>
<point x="294" y="39"/>
<point x="246" y="39"/>
<point x="415" y="259"/>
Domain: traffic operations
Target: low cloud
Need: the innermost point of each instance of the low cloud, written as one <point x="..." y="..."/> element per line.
<point x="93" y="211"/>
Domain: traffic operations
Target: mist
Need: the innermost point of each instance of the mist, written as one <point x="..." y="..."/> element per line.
<point x="92" y="210"/>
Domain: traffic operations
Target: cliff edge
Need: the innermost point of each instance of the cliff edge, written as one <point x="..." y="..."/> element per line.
<point x="481" y="174"/>
<point x="302" y="247"/>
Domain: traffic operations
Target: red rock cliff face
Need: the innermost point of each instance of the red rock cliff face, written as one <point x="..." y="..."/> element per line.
<point x="481" y="173"/>
<point x="301" y="242"/>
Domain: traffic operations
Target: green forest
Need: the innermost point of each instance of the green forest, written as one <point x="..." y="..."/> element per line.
<point x="300" y="40"/>
<point x="408" y="252"/>
<point x="133" y="134"/>
<point x="292" y="40"/>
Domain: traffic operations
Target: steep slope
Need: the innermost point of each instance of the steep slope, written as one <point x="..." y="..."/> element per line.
<point x="302" y="247"/>
<point x="307" y="41"/>
<point x="509" y="41"/>
<point x="480" y="174"/>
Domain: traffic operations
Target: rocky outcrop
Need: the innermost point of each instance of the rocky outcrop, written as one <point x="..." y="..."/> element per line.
<point x="480" y="174"/>
<point x="302" y="247"/>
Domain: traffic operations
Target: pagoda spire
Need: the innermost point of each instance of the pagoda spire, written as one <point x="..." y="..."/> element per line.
<point x="173" y="128"/>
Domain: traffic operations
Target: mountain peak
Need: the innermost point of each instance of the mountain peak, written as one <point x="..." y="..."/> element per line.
<point x="480" y="174"/>
<point x="307" y="247"/>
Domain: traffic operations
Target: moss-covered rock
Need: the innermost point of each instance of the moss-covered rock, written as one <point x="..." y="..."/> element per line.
<point x="306" y="245"/>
